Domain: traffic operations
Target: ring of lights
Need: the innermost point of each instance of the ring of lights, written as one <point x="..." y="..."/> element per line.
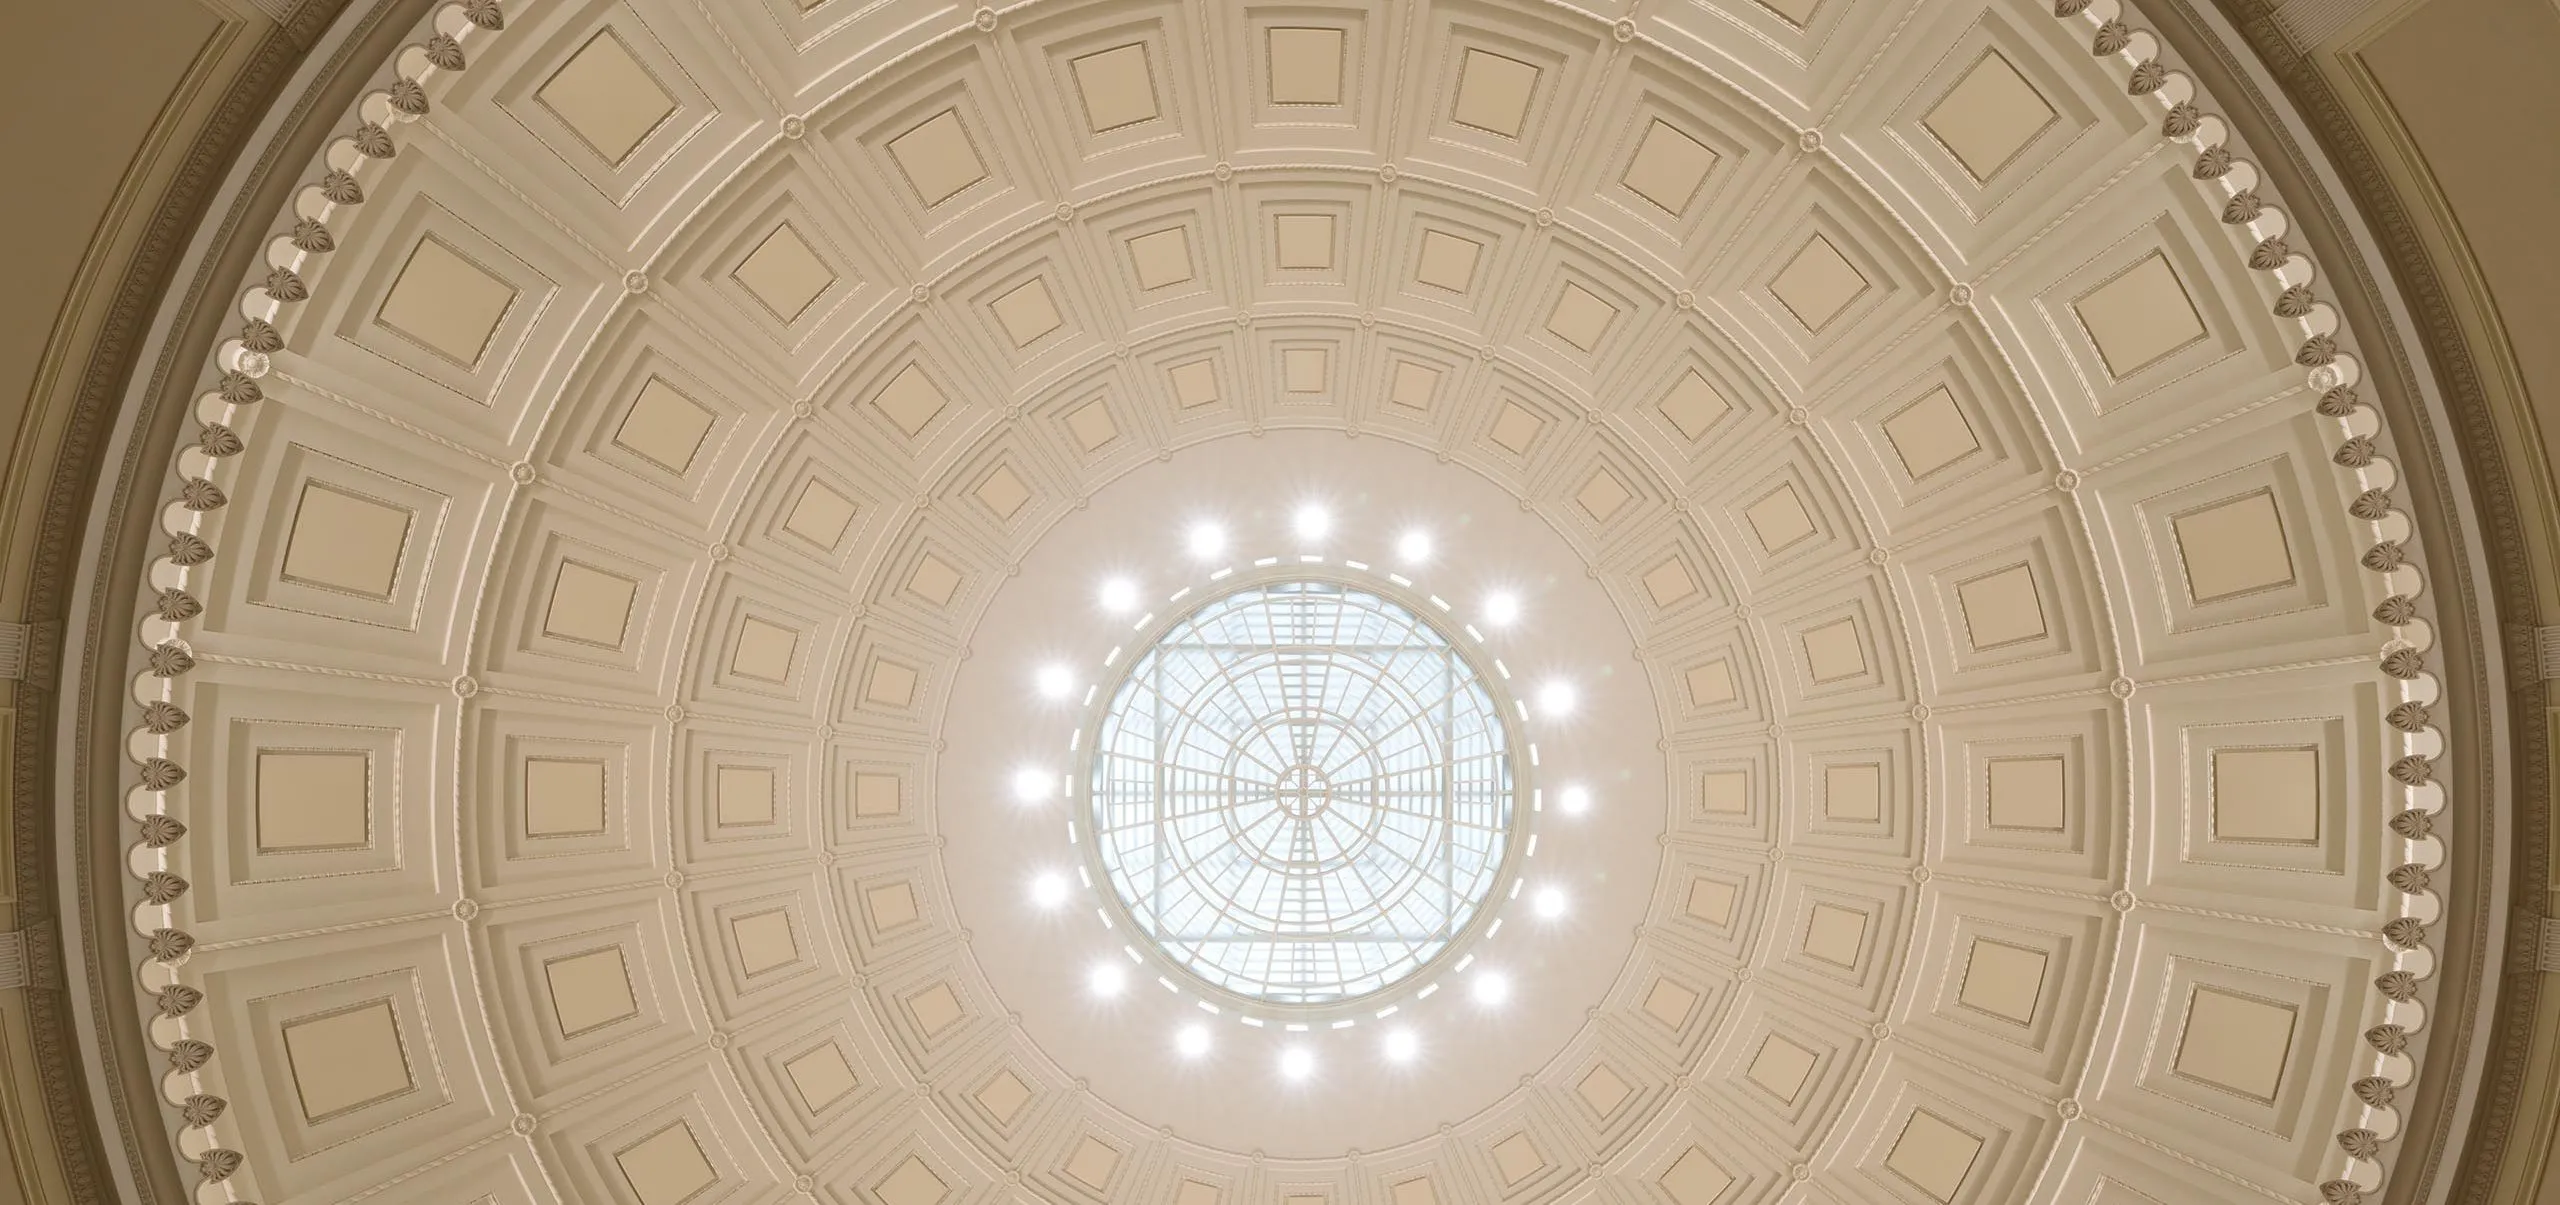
<point x="1382" y="992"/>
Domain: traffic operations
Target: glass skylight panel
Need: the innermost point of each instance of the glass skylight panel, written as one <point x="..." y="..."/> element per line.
<point x="1302" y="793"/>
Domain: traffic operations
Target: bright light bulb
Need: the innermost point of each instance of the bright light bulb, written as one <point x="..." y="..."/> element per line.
<point x="1205" y="540"/>
<point x="1031" y="784"/>
<point x="1297" y="1062"/>
<point x="1574" y="801"/>
<point x="1558" y="698"/>
<point x="1414" y="545"/>
<point x="1192" y="1042"/>
<point x="1049" y="889"/>
<point x="1311" y="522"/>
<point x="1055" y="681"/>
<point x="1502" y="608"/>
<point x="1549" y="902"/>
<point x="1489" y="988"/>
<point x="1119" y="594"/>
<point x="1401" y="1046"/>
<point x="1107" y="979"/>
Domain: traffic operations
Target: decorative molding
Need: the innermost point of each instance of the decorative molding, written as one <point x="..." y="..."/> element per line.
<point x="13" y="650"/>
<point x="2546" y="647"/>
<point x="2550" y="945"/>
<point x="13" y="960"/>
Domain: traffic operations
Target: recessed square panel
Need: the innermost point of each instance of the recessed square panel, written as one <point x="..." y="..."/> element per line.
<point x="821" y="1076"/>
<point x="935" y="1009"/>
<point x="1669" y="1003"/>
<point x="345" y="541"/>
<point x="1781" y="1067"/>
<point x="1517" y="1158"/>
<point x="937" y="157"/>
<point x="764" y="941"/>
<point x="607" y="98"/>
<point x="763" y="651"/>
<point x="2267" y="795"/>
<point x="1413" y="385"/>
<point x="1989" y="116"/>
<point x="1710" y="684"/>
<point x="346" y="1059"/>
<point x="1302" y="369"/>
<point x="563" y="797"/>
<point x="876" y="795"/>
<point x="1693" y="405"/>
<point x="1670" y="583"/>
<point x="1668" y="168"/>
<point x="1494" y="92"/>
<point x="1092" y="1163"/>
<point x="912" y="1183"/>
<point x="1833" y="651"/>
<point x="1448" y="261"/>
<point x="1780" y="519"/>
<point x="1853" y="792"/>
<point x="892" y="905"/>
<point x="820" y="515"/>
<point x="1194" y="1192"/>
<point x="1931" y="434"/>
<point x="1817" y="284"/>
<point x="1712" y="900"/>
<point x="2140" y="316"/>
<point x="1303" y="242"/>
<point x="666" y="1168"/>
<point x="1306" y="65"/>
<point x="1580" y="317"/>
<point x="1416" y="1191"/>
<point x="1933" y="1155"/>
<point x="933" y="581"/>
<point x="742" y="796"/>
<point x="1004" y="1096"/>
<point x="1515" y="428"/>
<point x="1194" y="383"/>
<point x="2233" y="548"/>
<point x="2025" y="793"/>
<point x="1724" y="792"/>
<point x="589" y="605"/>
<point x="1002" y="492"/>
<point x="2003" y="980"/>
<point x="445" y="302"/>
<point x="1117" y="87"/>
<point x="314" y="799"/>
<point x="1602" y="496"/>
<point x="1028" y="312"/>
<point x="2235" y="1042"/>
<point x="1162" y="258"/>
<point x="1835" y="934"/>
<point x="664" y="427"/>
<point x="1601" y="1089"/>
<point x="1092" y="427"/>
<point x="784" y="274"/>
<point x="911" y="399"/>
<point x="2001" y="607"/>
<point x="589" y="990"/>
<point x="1695" y="1179"/>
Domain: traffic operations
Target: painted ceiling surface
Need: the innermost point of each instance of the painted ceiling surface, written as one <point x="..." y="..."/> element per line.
<point x="576" y="712"/>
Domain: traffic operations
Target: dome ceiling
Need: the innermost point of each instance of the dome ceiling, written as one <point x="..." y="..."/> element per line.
<point x="575" y="706"/>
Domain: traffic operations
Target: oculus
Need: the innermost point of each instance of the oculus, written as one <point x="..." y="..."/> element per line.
<point x="1301" y="793"/>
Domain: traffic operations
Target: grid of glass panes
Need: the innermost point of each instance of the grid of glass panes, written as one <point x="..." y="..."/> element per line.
<point x="1301" y="793"/>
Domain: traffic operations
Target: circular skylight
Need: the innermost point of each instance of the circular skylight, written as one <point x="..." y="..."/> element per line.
<point x="1302" y="793"/>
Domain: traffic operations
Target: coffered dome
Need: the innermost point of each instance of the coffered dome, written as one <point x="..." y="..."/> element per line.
<point x="1709" y="602"/>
